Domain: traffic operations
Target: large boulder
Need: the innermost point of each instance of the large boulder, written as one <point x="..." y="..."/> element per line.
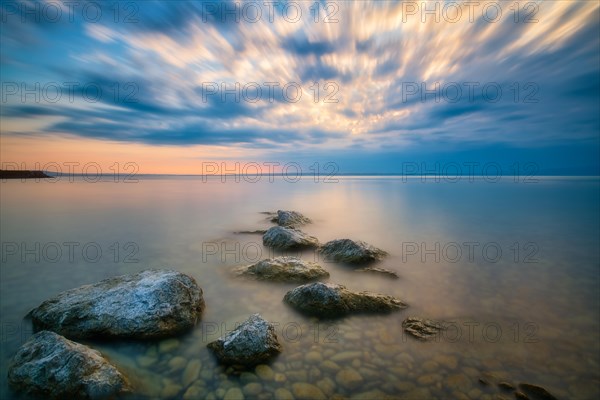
<point x="149" y="304"/>
<point x="280" y="237"/>
<point x="253" y="342"/>
<point x="290" y="219"/>
<point x="332" y="300"/>
<point x="350" y="251"/>
<point x="422" y="329"/>
<point x="53" y="367"/>
<point x="284" y="269"/>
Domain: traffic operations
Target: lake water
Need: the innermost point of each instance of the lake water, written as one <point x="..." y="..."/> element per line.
<point x="511" y="268"/>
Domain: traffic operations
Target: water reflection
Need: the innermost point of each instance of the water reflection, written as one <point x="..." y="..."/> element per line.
<point x="529" y="314"/>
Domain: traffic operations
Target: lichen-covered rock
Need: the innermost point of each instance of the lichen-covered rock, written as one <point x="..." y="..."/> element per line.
<point x="53" y="367"/>
<point x="284" y="269"/>
<point x="422" y="329"/>
<point x="280" y="237"/>
<point x="290" y="219"/>
<point x="331" y="300"/>
<point x="253" y="342"/>
<point x="149" y="304"/>
<point x="350" y="251"/>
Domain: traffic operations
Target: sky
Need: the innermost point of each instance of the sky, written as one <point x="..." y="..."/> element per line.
<point x="369" y="86"/>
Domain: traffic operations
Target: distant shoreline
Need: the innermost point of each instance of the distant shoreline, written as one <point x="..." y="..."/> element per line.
<point x="23" y="174"/>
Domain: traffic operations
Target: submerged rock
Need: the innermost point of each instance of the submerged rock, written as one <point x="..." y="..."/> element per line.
<point x="284" y="269"/>
<point x="350" y="251"/>
<point x="422" y="329"/>
<point x="254" y="232"/>
<point x="280" y="237"/>
<point x="149" y="304"/>
<point x="332" y="300"/>
<point x="253" y="342"/>
<point x="51" y="366"/>
<point x="535" y="392"/>
<point x="380" y="271"/>
<point x="290" y="219"/>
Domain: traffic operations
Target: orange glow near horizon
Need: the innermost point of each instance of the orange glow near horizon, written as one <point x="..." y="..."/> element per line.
<point x="29" y="152"/>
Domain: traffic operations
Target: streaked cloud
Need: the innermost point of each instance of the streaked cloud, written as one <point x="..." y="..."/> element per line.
<point x="157" y="65"/>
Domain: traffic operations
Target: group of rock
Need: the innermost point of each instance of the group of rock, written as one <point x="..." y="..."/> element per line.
<point x="161" y="303"/>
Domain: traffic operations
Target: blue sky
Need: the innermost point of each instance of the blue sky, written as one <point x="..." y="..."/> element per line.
<point x="368" y="85"/>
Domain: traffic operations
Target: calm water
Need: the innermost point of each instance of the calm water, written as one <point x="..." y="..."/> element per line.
<point x="513" y="269"/>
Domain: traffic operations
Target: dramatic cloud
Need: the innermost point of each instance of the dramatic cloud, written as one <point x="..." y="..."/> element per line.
<point x="302" y="76"/>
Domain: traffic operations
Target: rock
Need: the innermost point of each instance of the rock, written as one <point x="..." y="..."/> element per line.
<point x="170" y="390"/>
<point x="381" y="271"/>
<point x="349" y="378"/>
<point x="290" y="219"/>
<point x="252" y="389"/>
<point x="254" y="232"/>
<point x="306" y="391"/>
<point x="194" y="392"/>
<point x="535" y="392"/>
<point x="191" y="372"/>
<point x="313" y="357"/>
<point x="149" y="304"/>
<point x="346" y="356"/>
<point x="264" y="372"/>
<point x="506" y="386"/>
<point x="251" y="343"/>
<point x="422" y="329"/>
<point x="300" y="375"/>
<point x="284" y="269"/>
<point x="458" y="382"/>
<point x="329" y="366"/>
<point x="233" y="393"/>
<point x="327" y="386"/>
<point x="283" y="394"/>
<point x="280" y="237"/>
<point x="145" y="361"/>
<point x="350" y="251"/>
<point x="51" y="366"/>
<point x="177" y="363"/>
<point x="331" y="300"/>
<point x="370" y="395"/>
<point x="167" y="346"/>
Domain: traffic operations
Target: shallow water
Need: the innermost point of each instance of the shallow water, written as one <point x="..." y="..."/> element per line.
<point x="512" y="269"/>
